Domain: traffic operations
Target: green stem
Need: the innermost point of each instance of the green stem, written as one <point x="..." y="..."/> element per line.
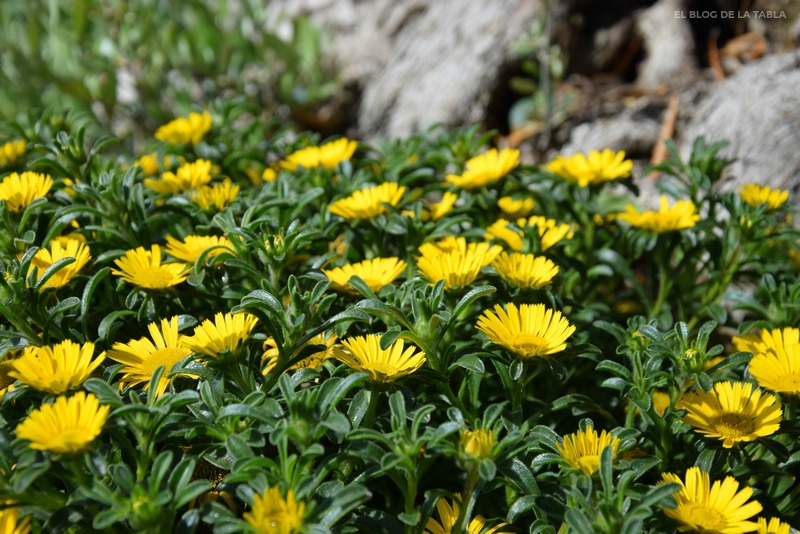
<point x="465" y="508"/>
<point x="663" y="289"/>
<point x="371" y="405"/>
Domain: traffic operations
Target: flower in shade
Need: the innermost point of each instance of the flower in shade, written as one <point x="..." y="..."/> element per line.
<point x="185" y="130"/>
<point x="485" y="168"/>
<point x="732" y="412"/>
<point x="58" y="250"/>
<point x="66" y="426"/>
<point x="703" y="507"/>
<point x="368" y="202"/>
<point x="225" y="333"/>
<point x="515" y="208"/>
<point x="458" y="268"/>
<point x="667" y="219"/>
<point x="193" y="246"/>
<point x="582" y="449"/>
<point x="327" y="156"/>
<point x="10" y="154"/>
<point x="188" y="176"/>
<point x="141" y="357"/>
<point x="20" y="190"/>
<point x="272" y="514"/>
<point x="215" y="476"/>
<point x="376" y="273"/>
<point x="477" y="442"/>
<point x="58" y="368"/>
<point x="755" y="195"/>
<point x="215" y="197"/>
<point x="525" y="270"/>
<point x="597" y="168"/>
<point x="448" y="515"/>
<point x="6" y="380"/>
<point x="549" y="231"/>
<point x="530" y="331"/>
<point x="10" y="523"/>
<point x="143" y="268"/>
<point x="382" y="365"/>
<point x="271" y="353"/>
<point x="773" y="526"/>
<point x="776" y="361"/>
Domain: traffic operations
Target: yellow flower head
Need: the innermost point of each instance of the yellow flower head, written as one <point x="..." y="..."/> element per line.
<point x="448" y="514"/>
<point x="376" y="273"/>
<point x="10" y="523"/>
<point x="58" y="250"/>
<point x="755" y="195"/>
<point x="582" y="449"/>
<point x="67" y="426"/>
<point x="732" y="412"/>
<point x="436" y="210"/>
<point x="528" y="332"/>
<point x="768" y="341"/>
<point x="477" y="442"/>
<point x="516" y="208"/>
<point x="368" y="203"/>
<point x="525" y="270"/>
<point x="150" y="166"/>
<point x="443" y="245"/>
<point x="327" y="156"/>
<point x="774" y="526"/>
<point x="20" y="190"/>
<point x="272" y="514"/>
<point x="6" y="380"/>
<point x="56" y="369"/>
<point x="703" y="507"/>
<point x="667" y="219"/>
<point x="776" y="361"/>
<point x="192" y="246"/>
<point x="215" y="197"/>
<point x="365" y="354"/>
<point x="185" y="130"/>
<point x="270" y="357"/>
<point x="486" y="168"/>
<point x="10" y="154"/>
<point x="549" y="230"/>
<point x="598" y="168"/>
<point x="458" y="268"/>
<point x="188" y="176"/>
<point x="143" y="356"/>
<point x="661" y="401"/>
<point x="143" y="268"/>
<point x="226" y="332"/>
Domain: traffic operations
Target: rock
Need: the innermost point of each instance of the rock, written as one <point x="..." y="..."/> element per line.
<point x="635" y="131"/>
<point x="669" y="46"/>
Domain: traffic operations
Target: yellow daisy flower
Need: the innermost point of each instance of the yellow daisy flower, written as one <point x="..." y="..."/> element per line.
<point x="515" y="208"/>
<point x="10" y="154"/>
<point x="661" y="401"/>
<point x="382" y="365"/>
<point x="582" y="449"/>
<point x="58" y="250"/>
<point x="149" y="164"/>
<point x="67" y="426"/>
<point x="376" y="273"/>
<point x="20" y="190"/>
<point x="776" y="361"/>
<point x="143" y="356"/>
<point x="192" y="246"/>
<point x="477" y="442"/>
<point x="188" y="176"/>
<point x="269" y="175"/>
<point x="56" y="369"/>
<point x="368" y="202"/>
<point x="597" y="168"/>
<point x="143" y="268"/>
<point x="448" y="515"/>
<point x="6" y="380"/>
<point x="525" y="270"/>
<point x="185" y="130"/>
<point x="774" y="526"/>
<point x="529" y="331"/>
<point x="272" y="514"/>
<point x="756" y="195"/>
<point x="549" y="230"/>
<point x="443" y="245"/>
<point x="225" y="333"/>
<point x="703" y="507"/>
<point x="10" y="523"/>
<point x="436" y="210"/>
<point x="732" y="412"/>
<point x="215" y="197"/>
<point x="772" y="341"/>
<point x="458" y="268"/>
<point x="270" y="357"/>
<point x="327" y="156"/>
<point x="667" y="219"/>
<point x="485" y="168"/>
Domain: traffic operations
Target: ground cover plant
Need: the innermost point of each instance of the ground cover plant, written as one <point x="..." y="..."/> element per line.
<point x="247" y="329"/>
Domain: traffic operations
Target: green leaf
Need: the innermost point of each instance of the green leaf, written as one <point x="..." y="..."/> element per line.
<point x="471" y="362"/>
<point x="473" y="295"/>
<point x="86" y="297"/>
<point x="578" y="521"/>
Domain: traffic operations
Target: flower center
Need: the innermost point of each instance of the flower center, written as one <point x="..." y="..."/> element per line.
<point x="734" y="425"/>
<point x="529" y="344"/>
<point x="6" y="380"/>
<point x="167" y="357"/>
<point x="705" y="518"/>
<point x="156" y="279"/>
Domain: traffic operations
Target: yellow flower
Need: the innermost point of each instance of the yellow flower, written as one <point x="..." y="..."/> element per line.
<point x="703" y="507"/>
<point x="20" y="190"/>
<point x="477" y="442"/>
<point x="756" y="195"/>
<point x="224" y="334"/>
<point x="272" y="514"/>
<point x="214" y="476"/>
<point x="143" y="268"/>
<point x="529" y="331"/>
<point x="142" y="356"/>
<point x="516" y="208"/>
<point x="270" y="358"/>
<point x="486" y="168"/>
<point x="10" y="154"/>
<point x="382" y="365"/>
<point x="56" y="369"/>
<point x="525" y="270"/>
<point x="732" y="412"/>
<point x="149" y="164"/>
<point x="192" y="246"/>
<point x="67" y="426"/>
<point x="775" y="526"/>
<point x="768" y="341"/>
<point x="661" y="401"/>
<point x="327" y="156"/>
<point x="582" y="449"/>
<point x="436" y="210"/>
<point x="10" y="523"/>
<point x="448" y="514"/>
<point x="445" y="244"/>
<point x="215" y="197"/>
<point x="188" y="176"/>
<point x="776" y="361"/>
<point x="549" y="230"/>
<point x="376" y="273"/>
<point x="6" y="380"/>
<point x="185" y="130"/>
<point x="368" y="203"/>
<point x="598" y="168"/>
<point x="269" y="175"/>
<point x="458" y="268"/>
<point x="58" y="250"/>
<point x="667" y="219"/>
